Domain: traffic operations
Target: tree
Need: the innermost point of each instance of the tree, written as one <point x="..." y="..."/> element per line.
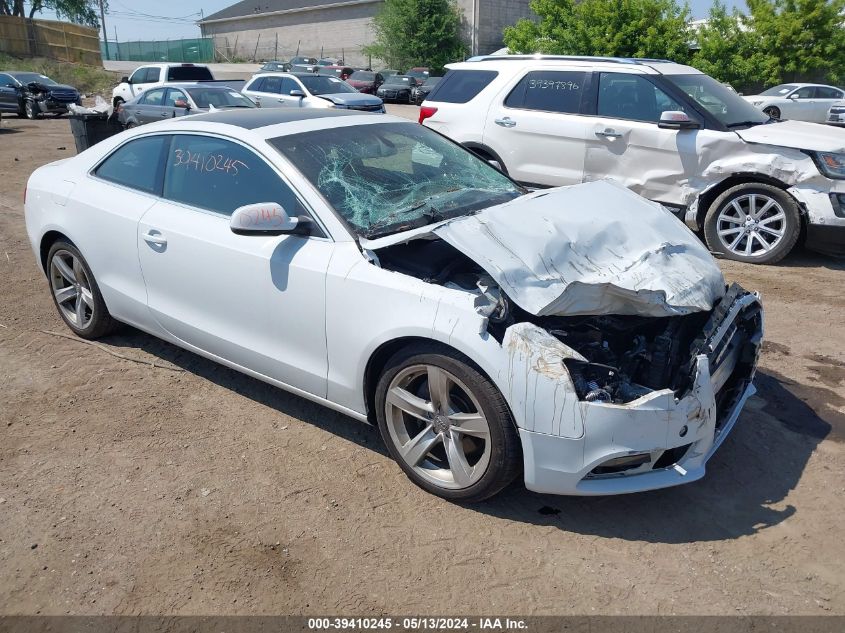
<point x="799" y="39"/>
<point x="619" y="28"/>
<point x="726" y="49"/>
<point x="417" y="33"/>
<point x="77" y="11"/>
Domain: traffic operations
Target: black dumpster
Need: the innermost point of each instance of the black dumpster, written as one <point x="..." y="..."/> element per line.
<point x="90" y="129"/>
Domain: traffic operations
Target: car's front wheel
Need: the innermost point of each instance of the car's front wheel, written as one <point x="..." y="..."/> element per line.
<point x="772" y="111"/>
<point x="446" y="425"/>
<point x="75" y="292"/>
<point x="31" y="110"/>
<point x="753" y="223"/>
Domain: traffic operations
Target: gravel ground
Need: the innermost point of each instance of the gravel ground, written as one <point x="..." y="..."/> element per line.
<point x="186" y="488"/>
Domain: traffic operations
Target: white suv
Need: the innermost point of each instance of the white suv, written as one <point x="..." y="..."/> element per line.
<point x="667" y="131"/>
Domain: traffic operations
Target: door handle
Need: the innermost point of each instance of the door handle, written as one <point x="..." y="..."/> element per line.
<point x="165" y="114"/>
<point x="155" y="238"/>
<point x="506" y="122"/>
<point x="608" y="133"/>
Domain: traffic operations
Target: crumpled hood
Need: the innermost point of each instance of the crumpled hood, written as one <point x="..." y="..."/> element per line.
<point x="797" y="135"/>
<point x="352" y="99"/>
<point x="595" y="248"/>
<point x="45" y="88"/>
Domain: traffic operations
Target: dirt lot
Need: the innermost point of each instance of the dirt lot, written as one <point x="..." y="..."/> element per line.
<point x="188" y="488"/>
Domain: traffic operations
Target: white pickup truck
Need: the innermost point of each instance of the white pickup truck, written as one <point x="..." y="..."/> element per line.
<point x="150" y="75"/>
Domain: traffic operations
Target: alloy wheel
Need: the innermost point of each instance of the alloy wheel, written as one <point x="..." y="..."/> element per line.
<point x="438" y="426"/>
<point x="72" y="289"/>
<point x="751" y="225"/>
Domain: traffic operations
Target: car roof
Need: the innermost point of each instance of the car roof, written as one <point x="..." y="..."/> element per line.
<point x="646" y="65"/>
<point x="253" y="119"/>
<point x="185" y="85"/>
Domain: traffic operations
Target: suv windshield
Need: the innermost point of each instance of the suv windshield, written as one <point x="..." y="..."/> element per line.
<point x="384" y="178"/>
<point x="726" y="106"/>
<point x="779" y="91"/>
<point x="325" y="85"/>
<point x="398" y="80"/>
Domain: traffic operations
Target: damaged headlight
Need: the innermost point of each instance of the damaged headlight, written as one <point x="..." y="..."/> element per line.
<point x="830" y="164"/>
<point x="595" y="382"/>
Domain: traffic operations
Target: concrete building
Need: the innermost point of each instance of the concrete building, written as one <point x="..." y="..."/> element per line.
<point x="277" y="29"/>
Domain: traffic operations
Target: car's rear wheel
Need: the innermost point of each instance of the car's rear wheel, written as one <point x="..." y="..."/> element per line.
<point x="75" y="292"/>
<point x="772" y="111"/>
<point x="446" y="425"/>
<point x="753" y="223"/>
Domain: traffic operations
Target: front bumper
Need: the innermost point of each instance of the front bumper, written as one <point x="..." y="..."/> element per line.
<point x="674" y="437"/>
<point x="48" y="106"/>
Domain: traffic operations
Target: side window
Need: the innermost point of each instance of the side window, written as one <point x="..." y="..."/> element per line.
<point x="461" y="86"/>
<point x="6" y="81"/>
<point x="219" y="175"/>
<point x="136" y="165"/>
<point x="152" y="76"/>
<point x="289" y="84"/>
<point x="633" y="97"/>
<point x="823" y="92"/>
<point x="548" y="91"/>
<point x="173" y="95"/>
<point x="153" y="97"/>
<point x="804" y="93"/>
<point x="272" y="85"/>
<point x="257" y="85"/>
<point x="139" y="76"/>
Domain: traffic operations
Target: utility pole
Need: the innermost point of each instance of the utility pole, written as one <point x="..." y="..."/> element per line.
<point x="103" y="22"/>
<point x="116" y="43"/>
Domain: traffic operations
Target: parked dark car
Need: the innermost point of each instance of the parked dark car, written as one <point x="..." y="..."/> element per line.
<point x="303" y="61"/>
<point x="365" y="81"/>
<point x="32" y="94"/>
<point x="167" y="102"/>
<point x="341" y="72"/>
<point x="419" y="93"/>
<point x="275" y="67"/>
<point x="397" y="89"/>
<point x="385" y="72"/>
<point x="420" y="73"/>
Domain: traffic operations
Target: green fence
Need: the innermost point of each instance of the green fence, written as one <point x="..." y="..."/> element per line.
<point x="198" y="49"/>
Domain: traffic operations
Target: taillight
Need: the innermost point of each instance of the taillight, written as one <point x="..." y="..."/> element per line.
<point x="425" y="112"/>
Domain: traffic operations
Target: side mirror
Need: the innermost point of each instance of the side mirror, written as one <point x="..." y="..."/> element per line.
<point x="181" y="103"/>
<point x="297" y="93"/>
<point x="677" y="120"/>
<point x="267" y="218"/>
<point x="793" y="96"/>
<point x="124" y="80"/>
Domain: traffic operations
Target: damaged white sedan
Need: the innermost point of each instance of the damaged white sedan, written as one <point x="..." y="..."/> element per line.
<point x="579" y="335"/>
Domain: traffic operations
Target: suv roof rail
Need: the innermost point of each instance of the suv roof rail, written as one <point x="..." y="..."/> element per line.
<point x="588" y="58"/>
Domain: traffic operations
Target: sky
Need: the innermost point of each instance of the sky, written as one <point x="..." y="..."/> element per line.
<point x="172" y="19"/>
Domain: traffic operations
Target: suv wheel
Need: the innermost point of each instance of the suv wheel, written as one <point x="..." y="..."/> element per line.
<point x="31" y="110"/>
<point x="753" y="223"/>
<point x="446" y="425"/>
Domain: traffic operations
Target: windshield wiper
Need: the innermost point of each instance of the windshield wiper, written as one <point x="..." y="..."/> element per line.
<point x="748" y="123"/>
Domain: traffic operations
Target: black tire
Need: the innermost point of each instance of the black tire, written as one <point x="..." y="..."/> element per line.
<point x="791" y="224"/>
<point x="487" y="157"/>
<point x="101" y="322"/>
<point x="772" y="111"/>
<point x="505" y="459"/>
<point x="31" y="110"/>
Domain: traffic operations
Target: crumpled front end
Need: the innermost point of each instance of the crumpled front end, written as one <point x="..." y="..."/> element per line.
<point x="664" y="437"/>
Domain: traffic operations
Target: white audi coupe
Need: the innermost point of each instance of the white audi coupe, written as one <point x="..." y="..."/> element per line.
<point x="581" y="336"/>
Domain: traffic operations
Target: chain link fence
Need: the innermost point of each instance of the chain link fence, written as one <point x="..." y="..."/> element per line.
<point x="196" y="50"/>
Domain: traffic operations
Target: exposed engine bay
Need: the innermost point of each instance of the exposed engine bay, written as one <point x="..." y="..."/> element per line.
<point x="627" y="356"/>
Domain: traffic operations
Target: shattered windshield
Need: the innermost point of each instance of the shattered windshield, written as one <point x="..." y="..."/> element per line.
<point x="725" y="105"/>
<point x="325" y="85"/>
<point x="26" y="78"/>
<point x="388" y="177"/>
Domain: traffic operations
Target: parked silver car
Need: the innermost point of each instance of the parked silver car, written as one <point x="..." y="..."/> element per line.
<point x="167" y="102"/>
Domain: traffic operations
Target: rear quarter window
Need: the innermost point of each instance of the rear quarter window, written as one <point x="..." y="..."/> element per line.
<point x="461" y="86"/>
<point x="138" y="164"/>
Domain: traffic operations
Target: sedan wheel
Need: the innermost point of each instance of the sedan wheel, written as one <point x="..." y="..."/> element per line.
<point x="75" y="292"/>
<point x="753" y="223"/>
<point x="772" y="111"/>
<point x="447" y="426"/>
<point x="30" y="109"/>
